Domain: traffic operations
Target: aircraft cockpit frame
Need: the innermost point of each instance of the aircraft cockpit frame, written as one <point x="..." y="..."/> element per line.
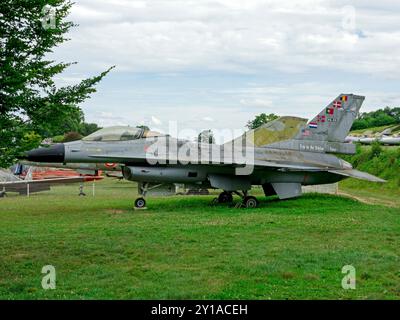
<point x="121" y="133"/>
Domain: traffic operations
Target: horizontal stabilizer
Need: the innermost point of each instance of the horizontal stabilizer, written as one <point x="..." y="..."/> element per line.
<point x="357" y="175"/>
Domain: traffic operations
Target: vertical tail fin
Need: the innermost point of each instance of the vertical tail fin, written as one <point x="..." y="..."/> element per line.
<point x="328" y="130"/>
<point x="334" y="122"/>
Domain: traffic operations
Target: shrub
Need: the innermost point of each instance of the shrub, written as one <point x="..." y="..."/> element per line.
<point x="376" y="149"/>
<point x="72" y="136"/>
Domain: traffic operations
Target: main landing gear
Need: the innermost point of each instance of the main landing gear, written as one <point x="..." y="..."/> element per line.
<point x="225" y="197"/>
<point x="250" y="202"/>
<point x="246" y="201"/>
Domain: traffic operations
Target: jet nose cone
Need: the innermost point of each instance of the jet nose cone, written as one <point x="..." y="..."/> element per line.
<point x="55" y="154"/>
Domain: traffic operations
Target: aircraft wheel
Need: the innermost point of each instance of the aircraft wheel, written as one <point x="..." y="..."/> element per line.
<point x="140" y="203"/>
<point x="225" y="197"/>
<point x="250" y="202"/>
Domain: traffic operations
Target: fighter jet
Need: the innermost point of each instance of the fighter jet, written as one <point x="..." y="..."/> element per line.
<point x="294" y="153"/>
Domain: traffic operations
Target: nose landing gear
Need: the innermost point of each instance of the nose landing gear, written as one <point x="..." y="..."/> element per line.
<point x="140" y="203"/>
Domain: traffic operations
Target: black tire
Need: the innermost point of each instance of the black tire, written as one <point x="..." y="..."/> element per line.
<point x="225" y="197"/>
<point x="250" y="202"/>
<point x="140" y="203"/>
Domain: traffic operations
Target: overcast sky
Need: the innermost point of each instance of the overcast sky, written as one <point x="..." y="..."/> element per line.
<point x="218" y="63"/>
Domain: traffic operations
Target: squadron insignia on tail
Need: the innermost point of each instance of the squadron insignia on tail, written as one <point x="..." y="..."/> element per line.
<point x="328" y="130"/>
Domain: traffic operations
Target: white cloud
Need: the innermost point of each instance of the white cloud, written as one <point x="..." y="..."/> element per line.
<point x="257" y="102"/>
<point x="238" y="36"/>
<point x="291" y="57"/>
<point x="156" y="121"/>
<point x="108" y="119"/>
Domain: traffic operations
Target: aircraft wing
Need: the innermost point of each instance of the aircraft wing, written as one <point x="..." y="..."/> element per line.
<point x="352" y="173"/>
<point x="122" y="158"/>
<point x="37" y="185"/>
<point x="43" y="181"/>
<point x="357" y="175"/>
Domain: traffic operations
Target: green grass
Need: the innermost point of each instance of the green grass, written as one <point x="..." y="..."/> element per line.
<point x="375" y="193"/>
<point x="373" y="130"/>
<point x="183" y="248"/>
<point x="383" y="162"/>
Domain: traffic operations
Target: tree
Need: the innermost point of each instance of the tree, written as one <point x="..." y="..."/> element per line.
<point x="31" y="104"/>
<point x="72" y="136"/>
<point x="376" y="149"/>
<point x="378" y="118"/>
<point x="260" y="120"/>
<point x="206" y="136"/>
<point x="88" y="128"/>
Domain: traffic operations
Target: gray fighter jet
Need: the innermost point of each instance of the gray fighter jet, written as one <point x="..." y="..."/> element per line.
<point x="292" y="153"/>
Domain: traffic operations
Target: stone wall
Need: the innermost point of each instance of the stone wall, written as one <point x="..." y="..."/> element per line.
<point x="322" y="188"/>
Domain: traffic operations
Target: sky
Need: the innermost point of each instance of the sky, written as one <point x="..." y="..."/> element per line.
<point x="218" y="63"/>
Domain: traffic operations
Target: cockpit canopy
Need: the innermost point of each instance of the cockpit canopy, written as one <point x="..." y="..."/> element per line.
<point x="121" y="134"/>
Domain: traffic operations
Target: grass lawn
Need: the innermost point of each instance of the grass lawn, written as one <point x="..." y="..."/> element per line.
<point x="395" y="129"/>
<point x="183" y="248"/>
<point x="372" y="193"/>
